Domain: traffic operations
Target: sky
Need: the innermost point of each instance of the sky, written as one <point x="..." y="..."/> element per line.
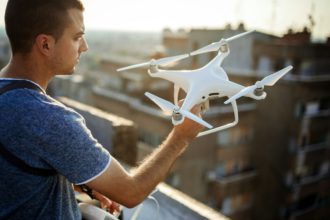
<point x="270" y="16"/>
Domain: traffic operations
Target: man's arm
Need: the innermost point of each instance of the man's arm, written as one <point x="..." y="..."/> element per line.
<point x="129" y="189"/>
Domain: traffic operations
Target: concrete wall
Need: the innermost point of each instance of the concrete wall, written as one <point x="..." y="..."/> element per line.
<point x="116" y="134"/>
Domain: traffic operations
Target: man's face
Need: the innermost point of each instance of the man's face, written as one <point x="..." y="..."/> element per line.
<point x="70" y="45"/>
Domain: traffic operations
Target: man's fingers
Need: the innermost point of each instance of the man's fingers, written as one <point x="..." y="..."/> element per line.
<point x="114" y="208"/>
<point x="197" y="109"/>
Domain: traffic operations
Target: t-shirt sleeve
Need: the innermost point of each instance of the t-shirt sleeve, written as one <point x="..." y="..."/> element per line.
<point x="61" y="139"/>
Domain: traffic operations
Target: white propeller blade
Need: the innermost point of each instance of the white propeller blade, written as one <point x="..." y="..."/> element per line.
<point x="216" y="45"/>
<point x="195" y="118"/>
<point x="161" y="61"/>
<point x="134" y="66"/>
<point x="273" y="78"/>
<point x="209" y="48"/>
<point x="267" y="81"/>
<point x="171" y="59"/>
<point x="239" y="35"/>
<point x="168" y="108"/>
<point x="241" y="93"/>
<point x="165" y="105"/>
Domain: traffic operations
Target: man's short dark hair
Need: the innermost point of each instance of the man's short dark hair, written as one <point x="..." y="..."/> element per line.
<point x="26" y="19"/>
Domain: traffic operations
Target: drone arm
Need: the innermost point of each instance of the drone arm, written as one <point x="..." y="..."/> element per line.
<point x="229" y="125"/>
<point x="221" y="56"/>
<point x="192" y="98"/>
<point x="218" y="59"/>
<point x="176" y="94"/>
<point x="223" y="52"/>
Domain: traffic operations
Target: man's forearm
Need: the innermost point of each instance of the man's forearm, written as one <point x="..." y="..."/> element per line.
<point x="157" y="165"/>
<point x="132" y="188"/>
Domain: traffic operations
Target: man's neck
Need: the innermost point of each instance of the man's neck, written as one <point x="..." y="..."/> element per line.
<point x="21" y="67"/>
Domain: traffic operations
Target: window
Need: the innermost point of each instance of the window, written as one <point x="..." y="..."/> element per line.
<point x="289" y="179"/>
<point x="237" y="202"/>
<point x="219" y="170"/>
<point x="234" y="136"/>
<point x="312" y="108"/>
<point x="307" y="173"/>
<point x="325" y="168"/>
<point x="149" y="138"/>
<point x="317" y="137"/>
<point x="226" y="206"/>
<point x="243" y="134"/>
<point x="306" y="202"/>
<point x="223" y="137"/>
<point x="232" y="167"/>
<point x="325" y="103"/>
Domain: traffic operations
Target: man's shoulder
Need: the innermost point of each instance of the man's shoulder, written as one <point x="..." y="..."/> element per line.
<point x="29" y="97"/>
<point x="29" y="104"/>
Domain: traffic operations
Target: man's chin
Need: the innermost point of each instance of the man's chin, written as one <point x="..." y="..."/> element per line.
<point x="66" y="73"/>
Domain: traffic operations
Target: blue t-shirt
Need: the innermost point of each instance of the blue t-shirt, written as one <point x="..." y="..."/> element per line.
<point x="44" y="134"/>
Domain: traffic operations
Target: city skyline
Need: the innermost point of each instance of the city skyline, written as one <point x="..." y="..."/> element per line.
<point x="270" y="16"/>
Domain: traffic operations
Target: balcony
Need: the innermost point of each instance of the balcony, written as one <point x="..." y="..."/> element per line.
<point x="311" y="154"/>
<point x="316" y="153"/>
<point x="236" y="183"/>
<point x="319" y="188"/>
<point x="308" y="208"/>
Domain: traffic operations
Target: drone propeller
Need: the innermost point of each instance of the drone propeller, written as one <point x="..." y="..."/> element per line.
<point x="168" y="109"/>
<point x="161" y="61"/>
<point x="267" y="81"/>
<point x="216" y="45"/>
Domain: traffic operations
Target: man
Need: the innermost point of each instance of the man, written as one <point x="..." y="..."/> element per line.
<point x="47" y="39"/>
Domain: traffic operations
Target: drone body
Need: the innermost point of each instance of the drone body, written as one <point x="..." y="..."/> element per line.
<point x="209" y="82"/>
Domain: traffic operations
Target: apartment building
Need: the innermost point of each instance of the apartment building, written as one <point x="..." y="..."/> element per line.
<point x="293" y="148"/>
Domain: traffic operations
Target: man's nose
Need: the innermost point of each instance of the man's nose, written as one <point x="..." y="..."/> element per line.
<point x="84" y="45"/>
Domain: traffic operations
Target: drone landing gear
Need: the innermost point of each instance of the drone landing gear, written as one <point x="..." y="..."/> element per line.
<point x="229" y="125"/>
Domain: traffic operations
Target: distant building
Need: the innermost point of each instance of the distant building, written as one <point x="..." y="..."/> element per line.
<point x="239" y="59"/>
<point x="292" y="141"/>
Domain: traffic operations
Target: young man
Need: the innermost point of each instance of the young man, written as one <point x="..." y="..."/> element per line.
<point x="47" y="39"/>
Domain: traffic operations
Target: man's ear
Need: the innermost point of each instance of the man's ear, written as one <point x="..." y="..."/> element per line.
<point x="45" y="44"/>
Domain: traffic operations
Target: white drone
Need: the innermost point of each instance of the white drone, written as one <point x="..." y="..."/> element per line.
<point x="208" y="82"/>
